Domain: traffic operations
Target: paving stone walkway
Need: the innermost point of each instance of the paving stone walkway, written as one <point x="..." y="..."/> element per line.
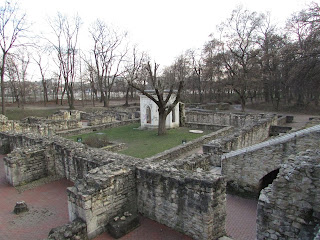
<point x="241" y="218"/>
<point x="48" y="209"/>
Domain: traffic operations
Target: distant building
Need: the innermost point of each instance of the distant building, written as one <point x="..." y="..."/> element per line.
<point x="150" y="115"/>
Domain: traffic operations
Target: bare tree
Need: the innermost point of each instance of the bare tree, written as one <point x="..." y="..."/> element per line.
<point x="17" y="72"/>
<point x="66" y="32"/>
<point x="163" y="89"/>
<point x="271" y="44"/>
<point x="239" y="50"/>
<point x="109" y="54"/>
<point x="134" y="69"/>
<point x="43" y="67"/>
<point x="303" y="55"/>
<point x="197" y="64"/>
<point x="12" y="26"/>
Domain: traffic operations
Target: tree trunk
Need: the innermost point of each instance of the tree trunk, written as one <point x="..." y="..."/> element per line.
<point x="243" y="103"/>
<point x="45" y="93"/>
<point x="93" y="97"/>
<point x="70" y="97"/>
<point x="127" y="96"/>
<point x="3" y="105"/>
<point x="162" y="123"/>
<point x="131" y="93"/>
<point x="62" y="95"/>
<point x="105" y="99"/>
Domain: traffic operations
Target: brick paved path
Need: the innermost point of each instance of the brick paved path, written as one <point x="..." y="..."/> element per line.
<point x="149" y="230"/>
<point x="48" y="209"/>
<point x="241" y="218"/>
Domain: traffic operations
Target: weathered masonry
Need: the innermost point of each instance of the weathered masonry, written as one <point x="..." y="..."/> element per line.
<point x="187" y="194"/>
<point x="246" y="168"/>
<point x="65" y="120"/>
<point x="108" y="184"/>
<point x="290" y="207"/>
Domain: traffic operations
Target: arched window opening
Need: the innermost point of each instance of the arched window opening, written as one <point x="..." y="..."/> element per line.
<point x="148" y="114"/>
<point x="174" y="115"/>
<point x="268" y="179"/>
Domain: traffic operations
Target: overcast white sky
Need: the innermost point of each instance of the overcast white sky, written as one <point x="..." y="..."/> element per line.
<point x="164" y="28"/>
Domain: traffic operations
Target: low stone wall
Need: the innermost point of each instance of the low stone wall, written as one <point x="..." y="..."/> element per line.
<point x="98" y="118"/>
<point x="240" y="138"/>
<point x="290" y="207"/>
<point x="245" y="168"/>
<point x="210" y="106"/>
<point x="115" y="147"/>
<point x="62" y="157"/>
<point x="176" y="152"/>
<point x="53" y="124"/>
<point x="189" y="202"/>
<point x="204" y="126"/>
<point x="103" y="194"/>
<point x="89" y="129"/>
<point x="223" y="118"/>
<point x="42" y="126"/>
<point x="108" y="116"/>
<point x="66" y="115"/>
<point x="24" y="127"/>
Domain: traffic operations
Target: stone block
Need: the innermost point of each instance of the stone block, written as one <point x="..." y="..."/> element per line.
<point x="20" y="207"/>
<point x="120" y="226"/>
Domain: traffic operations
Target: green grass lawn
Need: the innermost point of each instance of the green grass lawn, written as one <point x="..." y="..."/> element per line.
<point x="145" y="143"/>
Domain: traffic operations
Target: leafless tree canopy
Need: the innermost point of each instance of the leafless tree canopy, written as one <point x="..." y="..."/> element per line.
<point x="12" y="27"/>
<point x="248" y="58"/>
<point x="65" y="45"/>
<point x="109" y="51"/>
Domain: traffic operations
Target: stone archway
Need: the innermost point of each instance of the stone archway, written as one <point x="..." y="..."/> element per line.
<point x="268" y="179"/>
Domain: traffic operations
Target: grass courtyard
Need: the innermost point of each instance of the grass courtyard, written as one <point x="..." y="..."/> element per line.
<point x="144" y="143"/>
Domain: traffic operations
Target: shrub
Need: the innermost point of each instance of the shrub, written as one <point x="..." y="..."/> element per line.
<point x="97" y="140"/>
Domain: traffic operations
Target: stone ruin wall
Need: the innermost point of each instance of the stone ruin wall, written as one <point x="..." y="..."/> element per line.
<point x="290" y="207"/>
<point x="222" y="118"/>
<point x="192" y="206"/>
<point x="42" y="126"/>
<point x="24" y="166"/>
<point x="64" y="121"/>
<point x="66" y="115"/>
<point x="110" y="190"/>
<point x="103" y="194"/>
<point x="88" y="129"/>
<point x="59" y="156"/>
<point x="239" y="138"/>
<point x="106" y="185"/>
<point x="175" y="152"/>
<point x="245" y="168"/>
<point x="108" y="116"/>
<point x="184" y="195"/>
